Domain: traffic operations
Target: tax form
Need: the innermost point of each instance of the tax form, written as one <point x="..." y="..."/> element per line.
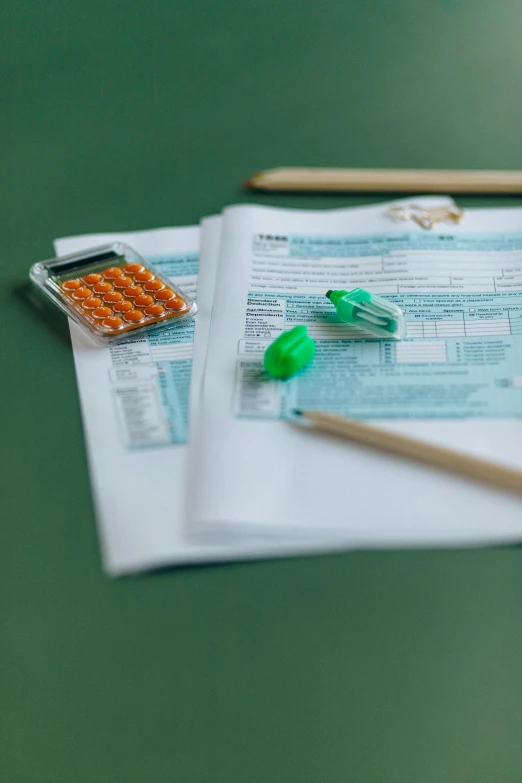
<point x="455" y="380"/>
<point x="135" y="398"/>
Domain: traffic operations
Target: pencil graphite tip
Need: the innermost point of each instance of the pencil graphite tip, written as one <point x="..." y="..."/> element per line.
<point x="297" y="412"/>
<point x="251" y="181"/>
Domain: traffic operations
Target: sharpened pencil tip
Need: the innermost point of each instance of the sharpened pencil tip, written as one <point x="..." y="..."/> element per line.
<point x="297" y="412"/>
<point x="251" y="181"/>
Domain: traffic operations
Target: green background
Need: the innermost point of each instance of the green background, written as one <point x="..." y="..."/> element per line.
<point x="371" y="667"/>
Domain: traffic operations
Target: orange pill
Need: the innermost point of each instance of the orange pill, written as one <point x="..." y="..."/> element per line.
<point x="102" y="287"/>
<point x="154" y="285"/>
<point x="133" y="316"/>
<point x="91" y="303"/>
<point x="122" y="282"/>
<point x="102" y="312"/>
<point x="112" y="272"/>
<point x="82" y="293"/>
<point x="123" y="307"/>
<point x="132" y="291"/>
<point x="155" y="310"/>
<point x="113" y="296"/>
<point x="176" y="303"/>
<point x="143" y="276"/>
<point x="71" y="285"/>
<point x="143" y="300"/>
<point x="113" y="322"/>
<point x="131" y="269"/>
<point x="164" y="294"/>
<point x="92" y="279"/>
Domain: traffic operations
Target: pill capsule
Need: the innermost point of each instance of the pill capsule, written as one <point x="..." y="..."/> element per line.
<point x="91" y="303"/>
<point x="113" y="296"/>
<point x="143" y="276"/>
<point x="92" y="278"/>
<point x="131" y="269"/>
<point x="176" y="303"/>
<point x="102" y="312"/>
<point x="102" y="287"/>
<point x="132" y="291"/>
<point x="154" y="285"/>
<point x="133" y="316"/>
<point x="81" y="293"/>
<point x="122" y="282"/>
<point x="123" y="307"/>
<point x="143" y="300"/>
<point x="155" y="310"/>
<point x="112" y="321"/>
<point x="164" y="294"/>
<point x="289" y="353"/>
<point x="112" y="272"/>
<point x="71" y="285"/>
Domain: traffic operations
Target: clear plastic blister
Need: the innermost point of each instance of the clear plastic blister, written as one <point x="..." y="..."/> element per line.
<point x="112" y="292"/>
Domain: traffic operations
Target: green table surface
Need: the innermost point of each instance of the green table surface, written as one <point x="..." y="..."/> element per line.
<point x="364" y="666"/>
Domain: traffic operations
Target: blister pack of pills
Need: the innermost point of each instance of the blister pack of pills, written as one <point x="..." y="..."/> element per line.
<point x="112" y="292"/>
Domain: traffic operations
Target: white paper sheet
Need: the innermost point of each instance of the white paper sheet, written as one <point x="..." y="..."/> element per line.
<point x="138" y="476"/>
<point x="263" y="474"/>
<point x="138" y="492"/>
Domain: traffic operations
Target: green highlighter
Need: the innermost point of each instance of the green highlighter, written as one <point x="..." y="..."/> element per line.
<point x="289" y="353"/>
<point x="373" y="314"/>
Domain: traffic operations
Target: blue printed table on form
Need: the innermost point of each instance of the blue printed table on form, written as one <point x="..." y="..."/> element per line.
<point x="462" y="299"/>
<point x="151" y="376"/>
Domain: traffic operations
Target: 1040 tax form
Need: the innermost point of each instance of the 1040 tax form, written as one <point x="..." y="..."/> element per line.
<point x="135" y="398"/>
<point x="455" y="380"/>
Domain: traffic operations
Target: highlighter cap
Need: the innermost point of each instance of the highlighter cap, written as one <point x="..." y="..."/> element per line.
<point x="289" y="353"/>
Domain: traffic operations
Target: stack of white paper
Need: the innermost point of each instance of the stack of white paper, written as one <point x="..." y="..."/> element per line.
<point x="234" y="479"/>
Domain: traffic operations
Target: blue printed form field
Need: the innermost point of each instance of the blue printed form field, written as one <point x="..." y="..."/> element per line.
<point x="462" y="297"/>
<point x="151" y="376"/>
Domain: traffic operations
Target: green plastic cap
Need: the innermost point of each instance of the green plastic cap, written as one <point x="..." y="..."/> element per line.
<point x="289" y="352"/>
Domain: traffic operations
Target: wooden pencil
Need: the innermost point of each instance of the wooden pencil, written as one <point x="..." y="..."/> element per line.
<point x="387" y="180"/>
<point x="476" y="468"/>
